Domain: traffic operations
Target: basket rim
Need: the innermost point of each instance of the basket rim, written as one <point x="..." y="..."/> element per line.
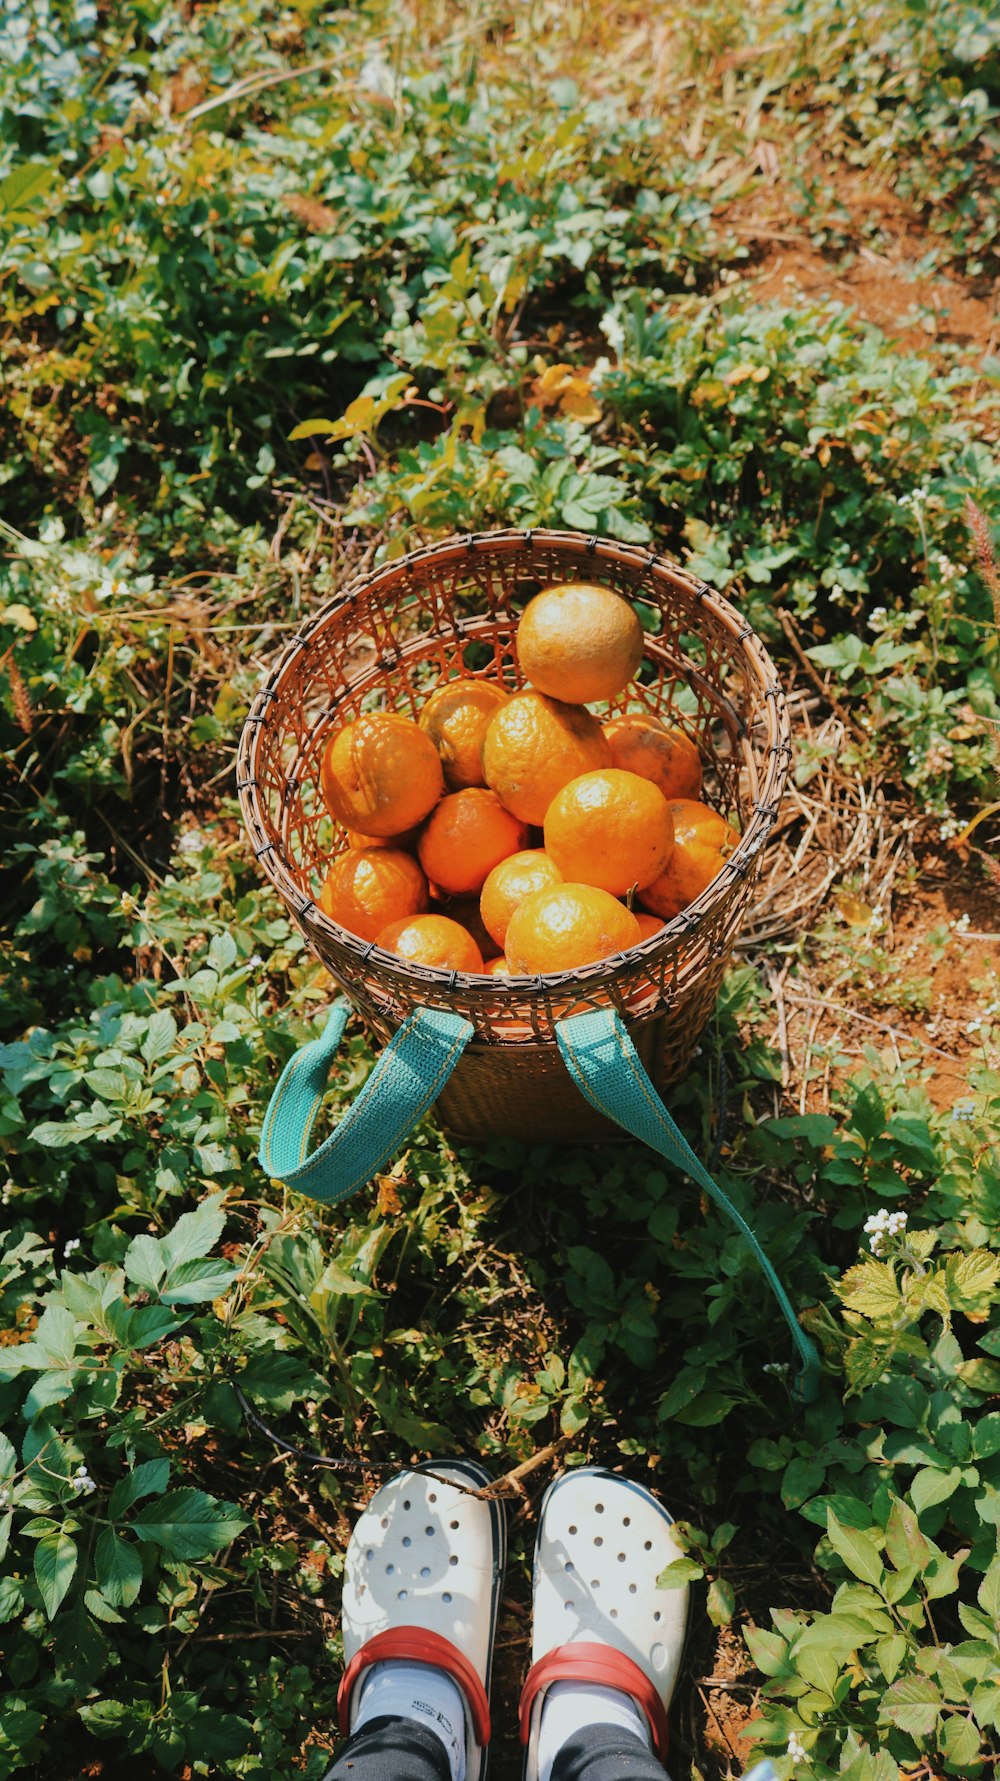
<point x="646" y="562"/>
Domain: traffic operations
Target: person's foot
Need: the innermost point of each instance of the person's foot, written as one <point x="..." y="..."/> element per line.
<point x="422" y="1580"/>
<point x="606" y="1643"/>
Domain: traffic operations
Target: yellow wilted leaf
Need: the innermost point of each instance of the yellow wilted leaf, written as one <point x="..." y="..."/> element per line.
<point x="741" y="374"/>
<point x="852" y="909"/>
<point x="20" y="616"/>
<point x="389" y="1205"/>
<point x="568" y="389"/>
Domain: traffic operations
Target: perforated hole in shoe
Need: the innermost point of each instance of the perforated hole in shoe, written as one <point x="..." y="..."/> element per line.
<point x="656" y="1616"/>
<point x="428" y="1530"/>
<point x="598" y="1540"/>
<point x="406" y="1505"/>
<point x="595" y="1583"/>
<point x="614" y="1613"/>
<point x="406" y="1540"/>
<point x="626" y="1521"/>
<point x="425" y="1570"/>
<point x="453" y="1525"/>
<point x="453" y="1559"/>
<point x="432" y="1496"/>
<point x="370" y="1553"/>
<point x="571" y="1530"/>
<point x="621" y="1558"/>
<point x="401" y="1597"/>
<point x="389" y="1570"/>
<point x="647" y="1545"/>
<point x="598" y="1508"/>
<point x="446" y="1597"/>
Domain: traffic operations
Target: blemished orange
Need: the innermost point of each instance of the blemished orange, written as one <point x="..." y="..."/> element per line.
<point x="468" y="834"/>
<point x="610" y="829"/>
<point x="641" y="744"/>
<point x="381" y="774"/>
<point x="432" y="940"/>
<point x="566" y="926"/>
<point x="366" y="889"/>
<point x="703" y="841"/>
<point x="536" y="745"/>
<point x="648" y="924"/>
<point x="455" y="718"/>
<point x="579" y="642"/>
<point x="509" y="883"/>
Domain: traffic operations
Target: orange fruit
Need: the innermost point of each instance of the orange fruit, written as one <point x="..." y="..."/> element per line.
<point x="432" y="940"/>
<point x="579" y="642"/>
<point x="509" y="883"/>
<point x="408" y="839"/>
<point x="566" y="926"/>
<point x="610" y="829"/>
<point x="381" y="774"/>
<point x="648" y="924"/>
<point x="468" y="834"/>
<point x="455" y="718"/>
<point x="534" y="746"/>
<point x="366" y="889"/>
<point x="641" y="744"/>
<point x="497" y="967"/>
<point x="703" y="841"/>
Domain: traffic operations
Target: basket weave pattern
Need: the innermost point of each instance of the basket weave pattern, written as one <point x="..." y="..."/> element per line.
<point x="452" y="608"/>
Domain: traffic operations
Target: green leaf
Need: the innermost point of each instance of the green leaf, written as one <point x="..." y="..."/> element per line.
<point x="196" y="1234"/>
<point x="55" y="1336"/>
<point x="679" y="1572"/>
<point x="281" y="1380"/>
<point x="721" y="1602"/>
<point x="196" y="1280"/>
<point x="904" y="1542"/>
<point x="858" y="1551"/>
<point x="313" y="430"/>
<point x="913" y="1705"/>
<point x="160" y="1035"/>
<point x="960" y="1742"/>
<point x="871" y="1289"/>
<point x="189" y="1523"/>
<point x="25" y="186"/>
<point x="149" y="1479"/>
<point x="768" y="1650"/>
<point x="8" y="1458"/>
<point x="890" y="1653"/>
<point x="119" y="1569"/>
<point x="144" y="1263"/>
<point x="55" y="1564"/>
<point x="11" y="1599"/>
<point x="802" y="1480"/>
<point x="988" y="1595"/>
<point x="931" y="1486"/>
<point x="972" y="1280"/>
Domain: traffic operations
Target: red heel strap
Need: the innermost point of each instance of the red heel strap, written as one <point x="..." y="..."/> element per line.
<point x="599" y="1664"/>
<point x="419" y="1646"/>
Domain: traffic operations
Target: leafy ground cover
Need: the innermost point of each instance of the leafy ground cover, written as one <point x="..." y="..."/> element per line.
<point x="282" y="290"/>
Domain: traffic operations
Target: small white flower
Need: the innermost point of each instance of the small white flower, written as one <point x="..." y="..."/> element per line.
<point x="255" y="960"/>
<point x="4" y="1497"/>
<point x="837" y="594"/>
<point x="192" y="841"/>
<point x="877" y="618"/>
<point x="796" y="1748"/>
<point x="82" y="1482"/>
<point x="964" y="1111"/>
<point x="71" y="1246"/>
<point x="780" y="1367"/>
<point x="905" y="501"/>
<point x="613" y="333"/>
<point x="129" y="906"/>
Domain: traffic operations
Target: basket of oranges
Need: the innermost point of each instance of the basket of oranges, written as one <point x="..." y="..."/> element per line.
<point x="519" y="777"/>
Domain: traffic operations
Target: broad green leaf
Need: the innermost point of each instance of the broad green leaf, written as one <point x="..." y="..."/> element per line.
<point x="721" y="1602"/>
<point x="858" y="1551"/>
<point x="145" y="1264"/>
<point x="768" y="1650"/>
<point x="55" y="1564"/>
<point x="196" y="1234"/>
<point x="160" y="1035"/>
<point x="819" y="1666"/>
<point x="890" y="1652"/>
<point x="986" y="1435"/>
<point x="972" y="1280"/>
<point x="313" y="430"/>
<point x="988" y="1595"/>
<point x="941" y="1574"/>
<point x="99" y="1606"/>
<point x="281" y="1380"/>
<point x="929" y="1487"/>
<point x="55" y="1336"/>
<point x="189" y="1524"/>
<point x="193" y="1281"/>
<point x="25" y="186"/>
<point x="870" y="1288"/>
<point x="119" y="1569"/>
<point x="11" y="1599"/>
<point x="679" y="1572"/>
<point x="148" y="1479"/>
<point x="904" y="1542"/>
<point x="960" y="1741"/>
<point x="8" y="1458"/>
<point x="913" y="1705"/>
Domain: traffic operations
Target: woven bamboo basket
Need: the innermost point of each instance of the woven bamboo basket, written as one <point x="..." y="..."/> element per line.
<point x="452" y="608"/>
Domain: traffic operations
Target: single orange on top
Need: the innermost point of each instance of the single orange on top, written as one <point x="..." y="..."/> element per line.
<point x="455" y="718"/>
<point x="509" y="883"/>
<point x="534" y="746"/>
<point x="703" y="841"/>
<point x="579" y="642"/>
<point x="432" y="940"/>
<point x="641" y="744"/>
<point x="367" y="888"/>
<point x="648" y="924"/>
<point x="566" y="926"/>
<point x="468" y="834"/>
<point x="381" y="774"/>
<point x="610" y="829"/>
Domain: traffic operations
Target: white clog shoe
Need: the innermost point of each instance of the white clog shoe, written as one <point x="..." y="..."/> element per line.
<point x="422" y="1580"/>
<point x="598" y="1616"/>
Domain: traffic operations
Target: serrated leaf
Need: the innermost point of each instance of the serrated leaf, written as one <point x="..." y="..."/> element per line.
<point x="8" y="1458"/>
<point x="148" y="1479"/>
<point x="767" y="1649"/>
<point x="857" y="1549"/>
<point x="904" y="1542"/>
<point x="98" y="1605"/>
<point x="972" y="1280"/>
<point x="871" y="1289"/>
<point x="55" y="1336"/>
<point x="196" y="1234"/>
<point x="145" y="1264"/>
<point x="11" y="1599"/>
<point x="890" y="1653"/>
<point x="988" y="1594"/>
<point x="55" y="1564"/>
<point x="194" y="1281"/>
<point x="679" y="1572"/>
<point x="189" y="1523"/>
<point x="913" y="1705"/>
<point x="160" y="1035"/>
<point x="960" y="1741"/>
<point x="119" y="1569"/>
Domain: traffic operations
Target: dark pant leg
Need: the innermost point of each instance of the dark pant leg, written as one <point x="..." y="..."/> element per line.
<point x="604" y="1753"/>
<point x="392" y="1749"/>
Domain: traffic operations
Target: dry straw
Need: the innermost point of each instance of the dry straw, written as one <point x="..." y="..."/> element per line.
<point x="452" y="608"/>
